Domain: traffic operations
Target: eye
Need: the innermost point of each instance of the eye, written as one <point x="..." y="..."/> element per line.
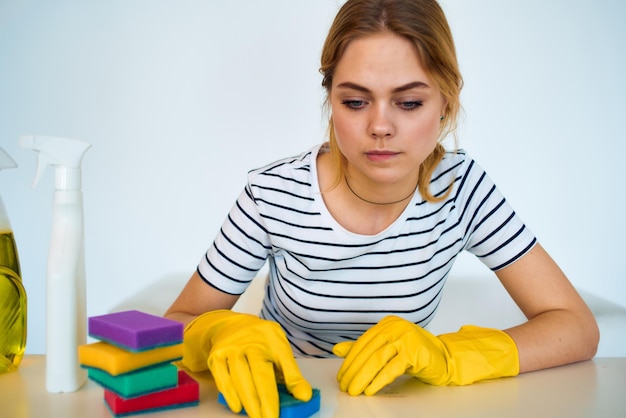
<point x="353" y="104"/>
<point x="411" y="104"/>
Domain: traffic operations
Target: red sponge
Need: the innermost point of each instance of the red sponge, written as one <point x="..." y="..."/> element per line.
<point x="187" y="393"/>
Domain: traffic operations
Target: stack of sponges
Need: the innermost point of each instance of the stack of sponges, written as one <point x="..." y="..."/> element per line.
<point x="132" y="361"/>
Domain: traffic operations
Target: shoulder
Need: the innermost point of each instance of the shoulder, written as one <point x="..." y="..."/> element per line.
<point x="457" y="168"/>
<point x="455" y="161"/>
<point x="284" y="179"/>
<point x="297" y="167"/>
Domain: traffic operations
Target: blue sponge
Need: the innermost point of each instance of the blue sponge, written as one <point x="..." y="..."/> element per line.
<point x="290" y="407"/>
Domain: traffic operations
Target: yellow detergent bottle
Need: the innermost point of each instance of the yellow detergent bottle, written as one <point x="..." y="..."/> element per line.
<point x="12" y="293"/>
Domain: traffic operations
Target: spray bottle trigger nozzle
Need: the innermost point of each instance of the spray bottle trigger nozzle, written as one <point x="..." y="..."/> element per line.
<point x="27" y="141"/>
<point x="42" y="162"/>
<point x="64" y="154"/>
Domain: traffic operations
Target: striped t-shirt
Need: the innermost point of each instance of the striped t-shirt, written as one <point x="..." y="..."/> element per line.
<point x="327" y="284"/>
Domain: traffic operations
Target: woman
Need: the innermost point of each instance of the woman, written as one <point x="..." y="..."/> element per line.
<point x="360" y="234"/>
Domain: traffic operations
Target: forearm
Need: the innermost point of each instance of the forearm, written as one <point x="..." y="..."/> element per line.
<point x="554" y="338"/>
<point x="560" y="329"/>
<point x="197" y="298"/>
<point x="183" y="317"/>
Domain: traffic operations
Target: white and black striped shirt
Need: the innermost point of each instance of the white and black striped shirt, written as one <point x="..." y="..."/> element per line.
<point x="328" y="284"/>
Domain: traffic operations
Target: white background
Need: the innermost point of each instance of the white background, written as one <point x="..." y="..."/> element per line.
<point x="179" y="99"/>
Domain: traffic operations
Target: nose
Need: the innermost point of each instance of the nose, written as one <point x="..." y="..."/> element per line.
<point x="381" y="124"/>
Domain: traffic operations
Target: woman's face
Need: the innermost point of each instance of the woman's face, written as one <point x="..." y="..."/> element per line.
<point x="385" y="109"/>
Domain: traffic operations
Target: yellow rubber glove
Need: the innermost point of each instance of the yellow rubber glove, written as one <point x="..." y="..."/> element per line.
<point x="396" y="346"/>
<point x="247" y="356"/>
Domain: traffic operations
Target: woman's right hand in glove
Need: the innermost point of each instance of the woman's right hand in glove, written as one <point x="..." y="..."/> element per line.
<point x="248" y="356"/>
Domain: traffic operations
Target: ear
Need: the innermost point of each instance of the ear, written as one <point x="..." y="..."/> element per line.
<point x="444" y="106"/>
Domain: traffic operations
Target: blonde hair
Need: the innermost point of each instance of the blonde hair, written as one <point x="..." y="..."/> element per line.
<point x="424" y="24"/>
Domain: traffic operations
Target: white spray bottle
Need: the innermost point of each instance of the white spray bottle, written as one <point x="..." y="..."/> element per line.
<point x="66" y="319"/>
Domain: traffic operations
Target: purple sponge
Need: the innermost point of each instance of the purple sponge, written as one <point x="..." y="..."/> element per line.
<point x="135" y="331"/>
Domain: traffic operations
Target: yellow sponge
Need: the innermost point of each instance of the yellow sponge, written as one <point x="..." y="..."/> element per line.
<point x="116" y="361"/>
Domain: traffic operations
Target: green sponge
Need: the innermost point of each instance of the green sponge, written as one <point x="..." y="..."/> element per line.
<point x="186" y="393"/>
<point x="140" y="382"/>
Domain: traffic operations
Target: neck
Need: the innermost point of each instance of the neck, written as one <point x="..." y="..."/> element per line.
<point x="371" y="202"/>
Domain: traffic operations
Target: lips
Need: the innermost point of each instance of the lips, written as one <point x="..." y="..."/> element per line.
<point x="381" y="155"/>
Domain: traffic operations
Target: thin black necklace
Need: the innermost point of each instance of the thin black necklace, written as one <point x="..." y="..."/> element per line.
<point x="378" y="203"/>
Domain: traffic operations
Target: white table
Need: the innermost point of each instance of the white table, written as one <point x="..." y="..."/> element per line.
<point x="594" y="388"/>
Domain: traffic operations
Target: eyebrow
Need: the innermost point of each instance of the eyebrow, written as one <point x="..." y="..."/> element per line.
<point x="405" y="87"/>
